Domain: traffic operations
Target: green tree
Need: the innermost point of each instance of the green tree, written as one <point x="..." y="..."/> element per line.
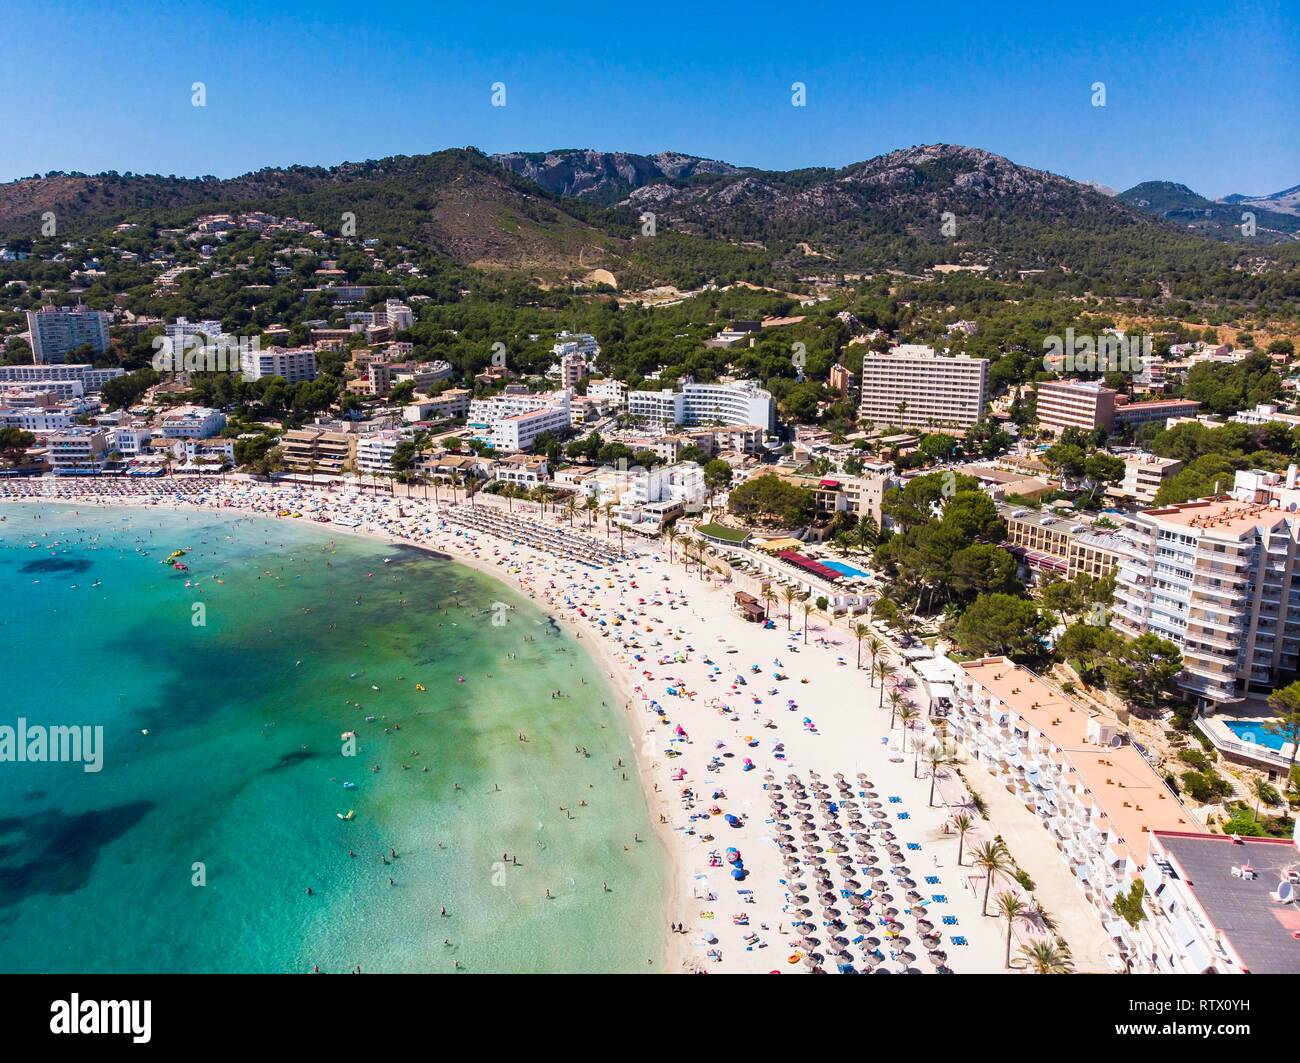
<point x="13" y="444"/>
<point x="993" y="859"/>
<point x="1009" y="907"/>
<point x="1000" y="624"/>
<point x="1286" y="703"/>
<point x="1046" y="957"/>
<point x="963" y="825"/>
<point x="1128" y="906"/>
<point x="1144" y="672"/>
<point x="717" y="476"/>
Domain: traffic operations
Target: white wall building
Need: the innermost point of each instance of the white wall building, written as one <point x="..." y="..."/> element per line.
<point x="512" y="421"/>
<point x="90" y="378"/>
<point x="1144" y="473"/>
<point x="519" y="431"/>
<point x="1220" y="578"/>
<point x="182" y="332"/>
<point x="192" y="422"/>
<point x="608" y="390"/>
<point x="36" y="418"/>
<point x="129" y="441"/>
<point x="375" y="452"/>
<point x="583" y="343"/>
<point x="1097" y="796"/>
<point x="57" y="332"/>
<point x="293" y="364"/>
<point x="913" y="385"/>
<point x="1263" y="413"/>
<point x="741" y="402"/>
<point x="76" y="450"/>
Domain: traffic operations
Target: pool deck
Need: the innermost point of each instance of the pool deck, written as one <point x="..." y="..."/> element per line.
<point x="846" y="569"/>
<point x="1227" y="742"/>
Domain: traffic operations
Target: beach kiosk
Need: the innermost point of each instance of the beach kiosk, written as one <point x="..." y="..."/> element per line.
<point x="750" y="607"/>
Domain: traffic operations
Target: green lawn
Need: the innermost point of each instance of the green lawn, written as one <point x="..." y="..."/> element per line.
<point x="719" y="531"/>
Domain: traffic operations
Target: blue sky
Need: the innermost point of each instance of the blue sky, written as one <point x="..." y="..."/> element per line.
<point x="1207" y="94"/>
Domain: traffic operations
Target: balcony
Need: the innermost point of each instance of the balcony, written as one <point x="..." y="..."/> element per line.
<point x="1223" y="557"/>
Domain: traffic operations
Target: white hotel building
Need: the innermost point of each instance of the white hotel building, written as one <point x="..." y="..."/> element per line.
<point x="1075" y="769"/>
<point x="512" y="421"/>
<point x="57" y="332"/>
<point x="1220" y="578"/>
<point x="293" y="364"/>
<point x="37" y="418"/>
<point x="741" y="402"/>
<point x="913" y="386"/>
<point x="90" y="378"/>
<point x="192" y="422"/>
<point x="375" y="452"/>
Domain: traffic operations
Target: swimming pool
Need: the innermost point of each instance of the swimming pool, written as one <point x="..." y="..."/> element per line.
<point x="846" y="570"/>
<point x="1252" y="731"/>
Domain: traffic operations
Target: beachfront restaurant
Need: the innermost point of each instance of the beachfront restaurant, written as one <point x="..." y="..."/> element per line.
<point x="780" y="563"/>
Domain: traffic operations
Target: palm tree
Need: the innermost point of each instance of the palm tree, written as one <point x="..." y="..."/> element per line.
<point x="591" y="506"/>
<point x="769" y="596"/>
<point x="895" y="703"/>
<point x="991" y="858"/>
<point x="701" y="553"/>
<point x="571" y="507"/>
<point x="1262" y="791"/>
<point x="671" y="533"/>
<point x="908" y="714"/>
<point x="608" y="507"/>
<point x="788" y="595"/>
<point x="875" y="644"/>
<point x="1046" y="957"/>
<point x="808" y="610"/>
<point x="860" y="631"/>
<point x="883" y="670"/>
<point x="936" y="758"/>
<point x="1010" y="907"/>
<point x="963" y="825"/>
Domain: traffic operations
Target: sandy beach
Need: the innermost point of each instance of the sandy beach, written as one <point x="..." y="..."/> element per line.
<point x="798" y="822"/>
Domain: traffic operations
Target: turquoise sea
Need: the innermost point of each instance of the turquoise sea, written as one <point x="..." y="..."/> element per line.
<point x="240" y="780"/>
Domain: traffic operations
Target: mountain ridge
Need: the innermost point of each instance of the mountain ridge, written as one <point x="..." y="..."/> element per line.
<point x="1218" y="219"/>
<point x="567" y="211"/>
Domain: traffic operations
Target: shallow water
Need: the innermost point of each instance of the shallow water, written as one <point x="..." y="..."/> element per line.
<point x="240" y="779"/>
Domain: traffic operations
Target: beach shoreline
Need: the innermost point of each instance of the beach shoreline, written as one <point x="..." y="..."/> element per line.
<point x="675" y="956"/>
<point x="735" y="727"/>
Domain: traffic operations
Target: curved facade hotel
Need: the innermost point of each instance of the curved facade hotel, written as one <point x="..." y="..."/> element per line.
<point x="733" y="404"/>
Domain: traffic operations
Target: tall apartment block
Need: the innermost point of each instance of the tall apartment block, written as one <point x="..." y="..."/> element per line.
<point x="1220" y="578"/>
<point x="1086" y="404"/>
<point x="913" y="386"/>
<point x="59" y="331"/>
<point x="1082" y="404"/>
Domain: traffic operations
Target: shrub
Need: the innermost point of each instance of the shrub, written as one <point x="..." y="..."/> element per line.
<point x="1244" y="823"/>
<point x="1205" y="786"/>
<point x="1270" y="795"/>
<point x="1129" y="905"/>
